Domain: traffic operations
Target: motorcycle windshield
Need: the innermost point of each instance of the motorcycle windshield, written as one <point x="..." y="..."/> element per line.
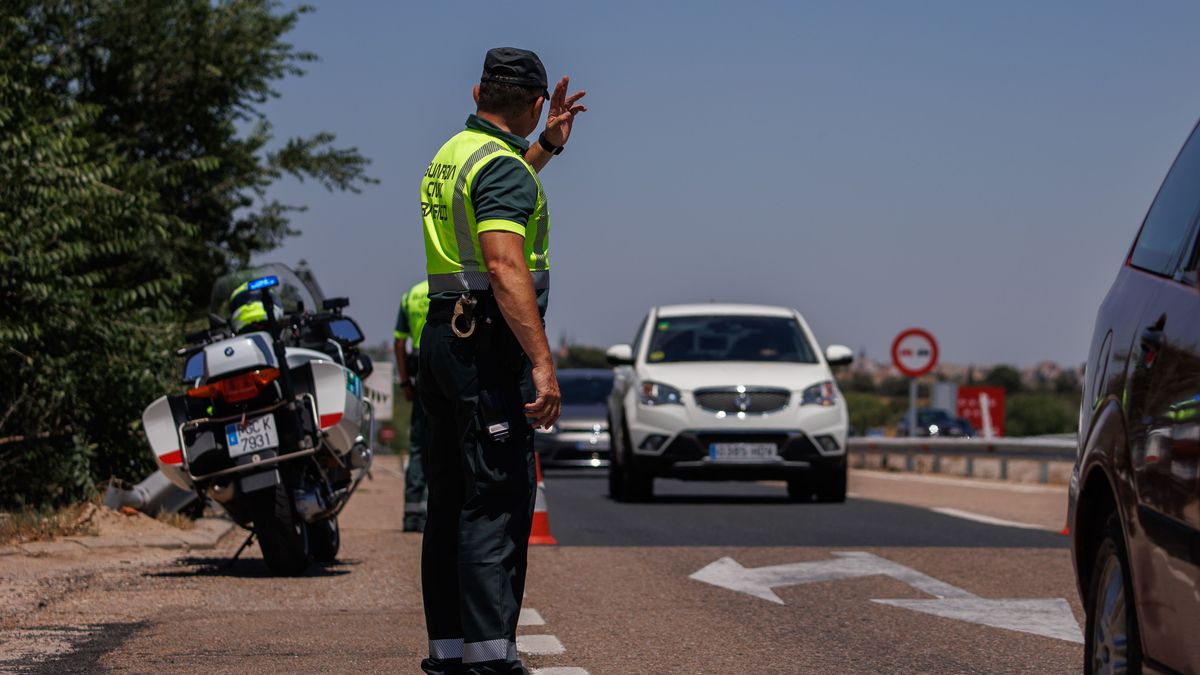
<point x="298" y="292"/>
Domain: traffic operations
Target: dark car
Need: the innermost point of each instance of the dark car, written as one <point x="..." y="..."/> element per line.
<point x="1135" y="491"/>
<point x="935" y="422"/>
<point x="580" y="437"/>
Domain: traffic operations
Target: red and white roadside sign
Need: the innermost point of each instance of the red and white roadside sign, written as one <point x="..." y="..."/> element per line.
<point x="914" y="352"/>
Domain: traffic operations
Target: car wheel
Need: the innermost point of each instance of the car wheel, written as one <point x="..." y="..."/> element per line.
<point x="800" y="489"/>
<point x="1111" y="643"/>
<point x="831" y="485"/>
<point x="631" y="482"/>
<point x="614" y="465"/>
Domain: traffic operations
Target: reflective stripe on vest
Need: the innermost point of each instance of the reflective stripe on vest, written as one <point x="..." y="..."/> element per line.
<point x="478" y="281"/>
<point x="453" y="260"/>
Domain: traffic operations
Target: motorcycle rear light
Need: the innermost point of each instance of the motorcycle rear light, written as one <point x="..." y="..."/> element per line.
<point x="237" y="388"/>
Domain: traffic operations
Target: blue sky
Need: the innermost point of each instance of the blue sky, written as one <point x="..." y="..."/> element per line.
<point x="977" y="169"/>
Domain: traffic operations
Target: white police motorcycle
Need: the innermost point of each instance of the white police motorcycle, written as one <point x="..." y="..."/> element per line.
<point x="273" y="424"/>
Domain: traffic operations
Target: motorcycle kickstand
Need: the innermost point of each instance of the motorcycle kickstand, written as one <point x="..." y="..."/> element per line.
<point x="243" y="547"/>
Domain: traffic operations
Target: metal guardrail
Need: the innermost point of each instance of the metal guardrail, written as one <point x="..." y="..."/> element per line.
<point x="1039" y="449"/>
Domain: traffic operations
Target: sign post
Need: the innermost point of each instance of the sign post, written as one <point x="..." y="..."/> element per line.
<point x="914" y="353"/>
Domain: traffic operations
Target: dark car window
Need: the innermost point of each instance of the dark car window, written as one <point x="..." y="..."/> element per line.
<point x="728" y="338"/>
<point x="637" y="339"/>
<point x="1169" y="222"/>
<point x="586" y="390"/>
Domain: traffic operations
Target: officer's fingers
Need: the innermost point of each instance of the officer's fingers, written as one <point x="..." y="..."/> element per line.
<point x="574" y="97"/>
<point x="578" y="109"/>
<point x="560" y="93"/>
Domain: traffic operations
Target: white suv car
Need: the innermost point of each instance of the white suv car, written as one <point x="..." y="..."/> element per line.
<point x="727" y="392"/>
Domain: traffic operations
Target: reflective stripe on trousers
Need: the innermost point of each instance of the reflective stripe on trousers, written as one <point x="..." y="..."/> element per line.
<point x="474" y="652"/>
<point x="478" y="281"/>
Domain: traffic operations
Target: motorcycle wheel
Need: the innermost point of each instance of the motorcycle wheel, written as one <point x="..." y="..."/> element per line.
<point x="326" y="539"/>
<point x="283" y="536"/>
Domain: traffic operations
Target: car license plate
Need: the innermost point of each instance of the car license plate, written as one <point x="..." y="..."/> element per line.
<point x="742" y="451"/>
<point x="258" y="434"/>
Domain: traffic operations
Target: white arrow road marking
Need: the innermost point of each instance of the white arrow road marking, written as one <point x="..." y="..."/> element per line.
<point x="728" y="573"/>
<point x="1050" y="617"/>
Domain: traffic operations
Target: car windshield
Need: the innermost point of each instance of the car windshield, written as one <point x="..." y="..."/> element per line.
<point x="297" y="292"/>
<point x="728" y="338"/>
<point x="584" y="389"/>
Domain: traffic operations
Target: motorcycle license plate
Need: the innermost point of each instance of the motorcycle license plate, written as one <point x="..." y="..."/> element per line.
<point x="742" y="451"/>
<point x="258" y="434"/>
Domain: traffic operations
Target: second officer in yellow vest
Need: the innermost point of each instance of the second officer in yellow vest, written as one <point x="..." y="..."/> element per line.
<point x="486" y="373"/>
<point x="410" y="321"/>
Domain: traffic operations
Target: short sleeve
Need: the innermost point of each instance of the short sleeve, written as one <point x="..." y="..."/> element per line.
<point x="504" y="195"/>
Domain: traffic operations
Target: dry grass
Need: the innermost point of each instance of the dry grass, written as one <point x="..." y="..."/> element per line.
<point x="176" y="520"/>
<point x="46" y="523"/>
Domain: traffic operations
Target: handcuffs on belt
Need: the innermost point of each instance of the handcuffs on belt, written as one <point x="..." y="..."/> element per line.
<point x="464" y="310"/>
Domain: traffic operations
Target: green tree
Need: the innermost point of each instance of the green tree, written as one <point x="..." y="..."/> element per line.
<point x="867" y="411"/>
<point x="583" y="356"/>
<point x="1039" y="414"/>
<point x="1067" y="382"/>
<point x="1004" y="376"/>
<point x="135" y="167"/>
<point x="183" y="82"/>
<point x="856" y="382"/>
<point x="89" y="283"/>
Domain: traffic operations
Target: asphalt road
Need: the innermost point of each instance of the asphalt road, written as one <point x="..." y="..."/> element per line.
<point x="711" y="578"/>
<point x="686" y="513"/>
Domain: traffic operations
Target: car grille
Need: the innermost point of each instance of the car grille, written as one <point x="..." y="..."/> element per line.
<point x="747" y="400"/>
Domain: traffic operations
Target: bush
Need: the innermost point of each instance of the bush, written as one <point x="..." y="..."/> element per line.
<point x="868" y="411"/>
<point x="1040" y="414"/>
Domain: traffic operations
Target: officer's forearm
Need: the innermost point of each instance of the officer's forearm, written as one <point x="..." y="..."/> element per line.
<point x="512" y="286"/>
<point x="537" y="157"/>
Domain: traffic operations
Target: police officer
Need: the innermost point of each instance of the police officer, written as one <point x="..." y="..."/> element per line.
<point x="487" y="378"/>
<point x="247" y="312"/>
<point x="410" y="321"/>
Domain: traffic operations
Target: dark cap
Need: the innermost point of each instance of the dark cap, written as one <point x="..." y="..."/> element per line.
<point x="509" y="65"/>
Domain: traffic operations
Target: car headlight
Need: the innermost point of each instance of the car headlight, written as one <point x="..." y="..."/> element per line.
<point x="655" y="393"/>
<point x="823" y="394"/>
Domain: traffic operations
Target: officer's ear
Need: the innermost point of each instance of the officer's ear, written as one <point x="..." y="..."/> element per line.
<point x="475" y="95"/>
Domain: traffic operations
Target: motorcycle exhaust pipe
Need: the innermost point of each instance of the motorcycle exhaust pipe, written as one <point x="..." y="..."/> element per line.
<point x="361" y="456"/>
<point x="222" y="493"/>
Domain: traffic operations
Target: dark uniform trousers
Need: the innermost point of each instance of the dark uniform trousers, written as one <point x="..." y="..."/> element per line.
<point x="414" y="476"/>
<point x="481" y="492"/>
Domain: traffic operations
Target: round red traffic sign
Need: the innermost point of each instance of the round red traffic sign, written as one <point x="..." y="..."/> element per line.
<point x="387" y="435"/>
<point x="914" y="352"/>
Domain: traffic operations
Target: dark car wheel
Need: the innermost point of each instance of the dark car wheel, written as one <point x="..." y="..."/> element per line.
<point x="614" y="466"/>
<point x="1111" y="643"/>
<point x="627" y="482"/>
<point x="326" y="538"/>
<point x="826" y="485"/>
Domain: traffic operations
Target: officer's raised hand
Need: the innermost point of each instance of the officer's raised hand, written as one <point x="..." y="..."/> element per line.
<point x="563" y="110"/>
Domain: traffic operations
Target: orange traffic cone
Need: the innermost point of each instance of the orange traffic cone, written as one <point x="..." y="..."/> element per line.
<point x="540" y="532"/>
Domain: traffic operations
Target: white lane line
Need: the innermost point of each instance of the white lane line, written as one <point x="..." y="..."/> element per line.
<point x="530" y="617"/>
<point x="539" y="644"/>
<point x="560" y="671"/>
<point x="988" y="520"/>
<point x="961" y="482"/>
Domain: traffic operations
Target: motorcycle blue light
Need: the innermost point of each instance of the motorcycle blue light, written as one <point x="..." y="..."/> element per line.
<point x="264" y="282"/>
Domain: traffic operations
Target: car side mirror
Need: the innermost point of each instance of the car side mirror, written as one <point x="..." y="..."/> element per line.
<point x="839" y="355"/>
<point x="619" y="355"/>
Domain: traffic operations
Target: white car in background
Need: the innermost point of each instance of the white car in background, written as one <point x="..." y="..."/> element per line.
<point x="727" y="392"/>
